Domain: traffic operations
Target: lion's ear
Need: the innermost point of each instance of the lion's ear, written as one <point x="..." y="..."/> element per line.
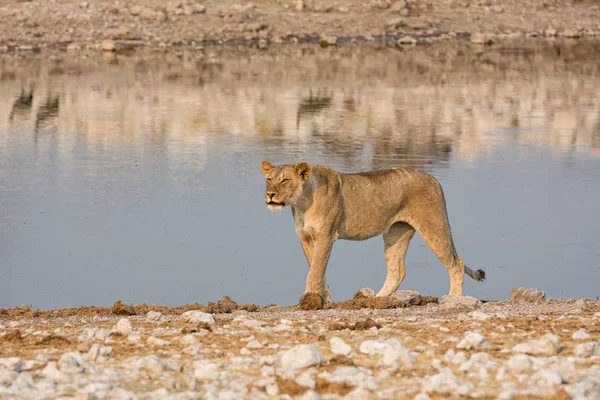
<point x="266" y="167"/>
<point x="303" y="170"/>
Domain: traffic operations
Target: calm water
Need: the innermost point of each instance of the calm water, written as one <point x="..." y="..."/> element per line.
<point x="137" y="178"/>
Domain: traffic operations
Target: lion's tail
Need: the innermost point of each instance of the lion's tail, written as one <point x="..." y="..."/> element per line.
<point x="478" y="275"/>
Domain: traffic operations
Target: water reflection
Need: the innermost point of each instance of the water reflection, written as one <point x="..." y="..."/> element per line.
<point x="125" y="166"/>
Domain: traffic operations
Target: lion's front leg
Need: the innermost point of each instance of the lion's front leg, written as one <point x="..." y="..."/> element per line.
<point x="317" y="251"/>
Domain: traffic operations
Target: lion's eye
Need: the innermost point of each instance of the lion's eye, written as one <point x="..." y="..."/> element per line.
<point x="286" y="180"/>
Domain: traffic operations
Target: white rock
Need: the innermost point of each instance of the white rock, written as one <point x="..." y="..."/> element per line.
<point x="473" y="340"/>
<point x="153" y="316"/>
<point x="196" y="316"/>
<point x="191" y="350"/>
<point x="480" y="315"/>
<point x="458" y="358"/>
<point x="588" y="388"/>
<point x="446" y="383"/>
<point x="272" y="389"/>
<point x="267" y="360"/>
<point x="396" y="354"/>
<point x="152" y="364"/>
<point x="71" y="362"/>
<point x="154" y="341"/>
<point x="14" y="364"/>
<point x="188" y="340"/>
<point x="283" y="328"/>
<point x="254" y="344"/>
<point x="422" y="396"/>
<point x="581" y="335"/>
<point x="244" y="351"/>
<point x="305" y="379"/>
<point x="356" y="376"/>
<point x="548" y="345"/>
<point x="360" y="393"/>
<point x="310" y="395"/>
<point x="526" y="294"/>
<point x="98" y="351"/>
<point x="520" y="362"/>
<point x="477" y="362"/>
<point x="134" y="338"/>
<point x="52" y="373"/>
<point x="124" y="326"/>
<point x="339" y="346"/>
<point x="547" y="377"/>
<point x="365" y="292"/>
<point x="587" y="349"/>
<point x="298" y="357"/>
<point x="205" y="370"/>
<point x="459" y="302"/>
<point x="411" y="297"/>
<point x="372" y="347"/>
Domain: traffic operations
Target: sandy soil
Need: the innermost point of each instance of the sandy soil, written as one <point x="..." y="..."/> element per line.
<point x="73" y="24"/>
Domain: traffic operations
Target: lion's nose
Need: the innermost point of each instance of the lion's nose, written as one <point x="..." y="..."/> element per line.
<point x="270" y="195"/>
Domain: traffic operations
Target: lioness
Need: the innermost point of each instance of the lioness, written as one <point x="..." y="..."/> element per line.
<point x="328" y="205"/>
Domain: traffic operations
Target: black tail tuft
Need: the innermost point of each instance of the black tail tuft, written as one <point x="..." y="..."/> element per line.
<point x="480" y="275"/>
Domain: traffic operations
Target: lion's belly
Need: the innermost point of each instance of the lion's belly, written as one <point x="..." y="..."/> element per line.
<point x="364" y="220"/>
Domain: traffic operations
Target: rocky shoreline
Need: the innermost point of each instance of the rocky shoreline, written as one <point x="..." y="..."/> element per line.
<point x="527" y="347"/>
<point x="75" y="25"/>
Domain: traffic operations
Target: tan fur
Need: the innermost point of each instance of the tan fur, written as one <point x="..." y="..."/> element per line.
<point x="328" y="205"/>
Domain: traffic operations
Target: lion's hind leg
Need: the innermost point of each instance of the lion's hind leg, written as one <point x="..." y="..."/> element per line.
<point x="433" y="225"/>
<point x="396" y="241"/>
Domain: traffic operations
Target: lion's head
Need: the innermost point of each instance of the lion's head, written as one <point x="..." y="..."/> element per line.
<point x="284" y="183"/>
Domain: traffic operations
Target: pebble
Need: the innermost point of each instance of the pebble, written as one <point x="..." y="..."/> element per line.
<point x="71" y="362"/>
<point x="153" y="316"/>
<point x="298" y="357"/>
<point x="205" y="370"/>
<point x="254" y="344"/>
<point x="547" y="377"/>
<point x="480" y="316"/>
<point x="571" y="33"/>
<point x="154" y="341"/>
<point x="188" y="340"/>
<point x="396" y="354"/>
<point x="407" y="40"/>
<point x="411" y="297"/>
<point x="365" y="292"/>
<point x="473" y="340"/>
<point x="123" y="326"/>
<point x="459" y="302"/>
<point x="196" y="316"/>
<point x="446" y="383"/>
<point x="152" y="364"/>
<point x="526" y="294"/>
<point x="587" y="349"/>
<point x="310" y="395"/>
<point x="481" y="38"/>
<point x="12" y="364"/>
<point x="548" y="345"/>
<point x="97" y="351"/>
<point x="339" y="347"/>
<point x="581" y="335"/>
<point x="520" y="363"/>
<point x="372" y="347"/>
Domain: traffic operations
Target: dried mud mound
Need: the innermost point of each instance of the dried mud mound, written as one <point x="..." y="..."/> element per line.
<point x="381" y="303"/>
<point x="223" y="305"/>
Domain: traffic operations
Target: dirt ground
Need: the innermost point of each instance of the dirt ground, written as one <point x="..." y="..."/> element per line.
<point x="43" y="340"/>
<point x="76" y="24"/>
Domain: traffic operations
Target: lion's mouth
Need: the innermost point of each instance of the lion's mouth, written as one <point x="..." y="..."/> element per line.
<point x="274" y="203"/>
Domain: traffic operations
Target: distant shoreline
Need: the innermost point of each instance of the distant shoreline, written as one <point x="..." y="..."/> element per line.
<point x="76" y="26"/>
